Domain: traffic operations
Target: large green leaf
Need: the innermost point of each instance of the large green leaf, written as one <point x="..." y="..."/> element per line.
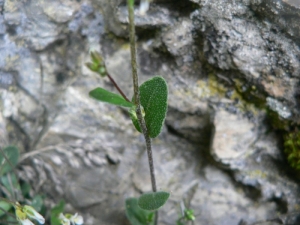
<point x="12" y="154"/>
<point x="154" y="99"/>
<point x="136" y="215"/>
<point x="103" y="95"/>
<point x="154" y="200"/>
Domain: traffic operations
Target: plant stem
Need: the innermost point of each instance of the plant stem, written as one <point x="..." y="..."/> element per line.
<point x="137" y="92"/>
<point x="116" y="86"/>
<point x="135" y="78"/>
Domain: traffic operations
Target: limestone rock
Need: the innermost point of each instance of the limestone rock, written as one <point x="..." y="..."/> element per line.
<point x="216" y="154"/>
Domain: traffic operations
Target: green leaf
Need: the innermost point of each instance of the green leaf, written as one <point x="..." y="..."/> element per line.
<point x="25" y="188"/>
<point x="11" y="183"/>
<point x="37" y="203"/>
<point x="178" y="222"/>
<point x="4" y="207"/>
<point x="136" y="215"/>
<point x="11" y="220"/>
<point x="12" y="154"/>
<point x="153" y="201"/>
<point x="55" y="211"/>
<point x="133" y="116"/>
<point x="103" y="95"/>
<point x="154" y="99"/>
<point x="189" y="214"/>
<point x="97" y="64"/>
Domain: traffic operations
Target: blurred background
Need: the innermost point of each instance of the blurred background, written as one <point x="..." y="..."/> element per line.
<point x="229" y="147"/>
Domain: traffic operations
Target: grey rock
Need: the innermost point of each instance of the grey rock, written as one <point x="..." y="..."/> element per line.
<point x="59" y="13"/>
<point x="178" y="37"/>
<point x="283" y="14"/>
<point x="156" y="17"/>
<point x="251" y="156"/>
<point x="232" y="137"/>
<point x="278" y="107"/>
<point x="2" y="25"/>
<point x="233" y="39"/>
<point x="6" y="80"/>
<point x="195" y="127"/>
<point x="214" y="154"/>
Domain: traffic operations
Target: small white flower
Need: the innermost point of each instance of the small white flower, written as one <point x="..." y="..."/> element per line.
<point x="26" y="222"/>
<point x="32" y="214"/>
<point x="21" y="215"/>
<point x="64" y="220"/>
<point x="144" y="6"/>
<point x="77" y="219"/>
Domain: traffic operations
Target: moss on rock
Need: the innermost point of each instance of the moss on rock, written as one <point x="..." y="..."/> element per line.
<point x="292" y="148"/>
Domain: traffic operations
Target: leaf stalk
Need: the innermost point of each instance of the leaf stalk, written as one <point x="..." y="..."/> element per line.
<point x="117" y="87"/>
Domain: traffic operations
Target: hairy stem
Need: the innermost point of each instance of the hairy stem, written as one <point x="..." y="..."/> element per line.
<point x="135" y="78"/>
<point x="137" y="92"/>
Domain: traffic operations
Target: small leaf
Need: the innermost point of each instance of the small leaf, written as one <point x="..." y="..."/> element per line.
<point x="136" y="215"/>
<point x="133" y="116"/>
<point x="12" y="154"/>
<point x="25" y="188"/>
<point x="97" y="65"/>
<point x="4" y="207"/>
<point x="10" y="182"/>
<point x="154" y="99"/>
<point x="189" y="214"/>
<point x="109" y="97"/>
<point x="153" y="201"/>
<point x="97" y="58"/>
<point x="37" y="203"/>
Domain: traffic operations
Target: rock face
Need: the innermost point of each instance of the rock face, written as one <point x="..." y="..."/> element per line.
<point x="225" y="62"/>
<point x="235" y="39"/>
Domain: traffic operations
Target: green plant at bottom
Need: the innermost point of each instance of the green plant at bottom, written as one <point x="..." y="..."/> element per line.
<point x="136" y="215"/>
<point x="20" y="212"/>
<point x="58" y="218"/>
<point x="11" y="188"/>
<point x="187" y="216"/>
<point x="292" y="148"/>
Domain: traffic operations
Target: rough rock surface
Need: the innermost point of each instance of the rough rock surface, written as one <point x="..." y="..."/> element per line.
<point x="217" y="152"/>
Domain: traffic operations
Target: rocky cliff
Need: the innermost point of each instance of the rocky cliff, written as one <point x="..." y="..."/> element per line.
<point x="233" y="73"/>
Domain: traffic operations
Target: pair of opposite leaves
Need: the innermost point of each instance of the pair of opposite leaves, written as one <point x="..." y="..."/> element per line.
<point x="153" y="97"/>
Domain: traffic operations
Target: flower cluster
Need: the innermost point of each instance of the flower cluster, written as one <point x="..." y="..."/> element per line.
<point x="70" y="219"/>
<point x="97" y="65"/>
<point x="25" y="213"/>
